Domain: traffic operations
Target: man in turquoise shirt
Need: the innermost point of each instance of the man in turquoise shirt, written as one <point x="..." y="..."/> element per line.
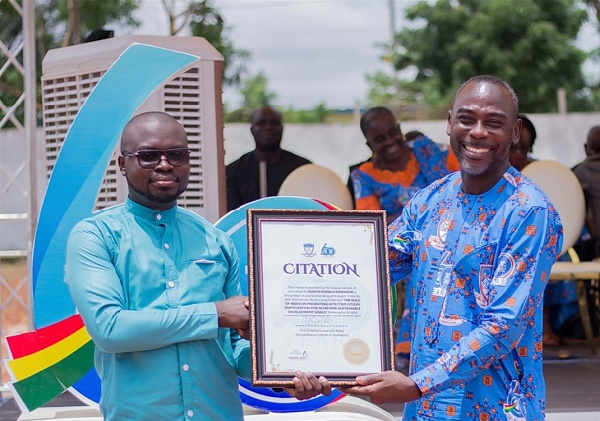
<point x="158" y="289"/>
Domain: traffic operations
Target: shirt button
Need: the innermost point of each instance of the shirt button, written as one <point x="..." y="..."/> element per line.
<point x="170" y="284"/>
<point x="190" y="413"/>
<point x="186" y="367"/>
<point x="167" y="246"/>
<point x="158" y="216"/>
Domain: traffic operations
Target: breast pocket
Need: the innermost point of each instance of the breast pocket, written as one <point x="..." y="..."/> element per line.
<point x="205" y="277"/>
<point x="471" y="291"/>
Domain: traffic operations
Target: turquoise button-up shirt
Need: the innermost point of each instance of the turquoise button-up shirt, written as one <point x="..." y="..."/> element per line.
<point x="145" y="283"/>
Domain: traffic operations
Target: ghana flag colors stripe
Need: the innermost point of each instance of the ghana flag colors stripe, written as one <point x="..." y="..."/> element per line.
<point x="31" y="342"/>
<point x="48" y="361"/>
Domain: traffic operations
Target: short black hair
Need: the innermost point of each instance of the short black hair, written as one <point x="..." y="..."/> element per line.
<point x="412" y="135"/>
<point x="365" y="120"/>
<point x="264" y="107"/>
<point x="593" y="139"/>
<point x="527" y="124"/>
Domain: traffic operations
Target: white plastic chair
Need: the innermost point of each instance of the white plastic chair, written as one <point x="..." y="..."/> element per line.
<point x="317" y="182"/>
<point x="564" y="190"/>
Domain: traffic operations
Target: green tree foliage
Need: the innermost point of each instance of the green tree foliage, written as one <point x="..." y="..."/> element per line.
<point x="204" y="20"/>
<point x="317" y="114"/>
<point x="594" y="55"/>
<point x="55" y="27"/>
<point x="595" y="5"/>
<point x="60" y="23"/>
<point x="67" y="22"/>
<point x="255" y="93"/>
<point x="11" y="80"/>
<point x="529" y="43"/>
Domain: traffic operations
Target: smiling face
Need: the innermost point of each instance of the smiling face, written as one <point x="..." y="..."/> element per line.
<point x="385" y="139"/>
<point x="482" y="125"/>
<point x="158" y="187"/>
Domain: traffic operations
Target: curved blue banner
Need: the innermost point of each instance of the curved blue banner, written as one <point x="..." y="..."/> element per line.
<point x="79" y="171"/>
<point x="81" y="164"/>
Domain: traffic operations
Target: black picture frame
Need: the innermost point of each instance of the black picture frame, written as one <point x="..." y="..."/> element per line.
<point x="327" y="310"/>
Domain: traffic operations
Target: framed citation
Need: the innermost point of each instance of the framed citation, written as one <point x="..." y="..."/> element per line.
<point x="319" y="295"/>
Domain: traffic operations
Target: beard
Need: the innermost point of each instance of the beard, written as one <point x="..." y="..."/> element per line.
<point x="473" y="169"/>
<point x="490" y="166"/>
<point x="162" y="198"/>
<point x="476" y="167"/>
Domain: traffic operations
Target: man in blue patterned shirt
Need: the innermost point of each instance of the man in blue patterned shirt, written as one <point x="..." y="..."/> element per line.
<point x="480" y="244"/>
<point x="158" y="289"/>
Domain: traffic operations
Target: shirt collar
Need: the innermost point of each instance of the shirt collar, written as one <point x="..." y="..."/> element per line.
<point x="151" y="214"/>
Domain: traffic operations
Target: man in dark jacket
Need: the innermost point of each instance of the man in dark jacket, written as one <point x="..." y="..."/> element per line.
<point x="260" y="173"/>
<point x="588" y="174"/>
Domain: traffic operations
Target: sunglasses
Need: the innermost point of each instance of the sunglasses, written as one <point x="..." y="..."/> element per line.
<point x="150" y="158"/>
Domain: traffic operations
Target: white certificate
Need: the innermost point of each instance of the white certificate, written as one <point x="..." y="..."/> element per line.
<point x="320" y="295"/>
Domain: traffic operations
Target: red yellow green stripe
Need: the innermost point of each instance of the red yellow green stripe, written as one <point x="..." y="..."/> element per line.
<point x="31" y="342"/>
<point x="45" y="362"/>
<point x="40" y="388"/>
<point x="398" y="239"/>
<point x="31" y="364"/>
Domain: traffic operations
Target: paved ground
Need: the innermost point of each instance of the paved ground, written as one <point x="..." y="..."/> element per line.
<point x="572" y="387"/>
<point x="572" y="384"/>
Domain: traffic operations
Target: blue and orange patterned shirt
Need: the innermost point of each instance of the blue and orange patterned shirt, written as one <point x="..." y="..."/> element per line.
<point x="480" y="264"/>
<point x="376" y="189"/>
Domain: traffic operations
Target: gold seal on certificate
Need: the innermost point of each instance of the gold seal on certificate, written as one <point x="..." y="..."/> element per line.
<point x="319" y="295"/>
<point x="356" y="351"/>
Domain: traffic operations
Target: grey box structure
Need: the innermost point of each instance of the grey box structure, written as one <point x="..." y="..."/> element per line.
<point x="69" y="75"/>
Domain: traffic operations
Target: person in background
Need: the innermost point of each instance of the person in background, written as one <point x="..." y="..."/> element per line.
<point x="158" y="289"/>
<point x="520" y="153"/>
<point x="564" y="314"/>
<point x="397" y="169"/>
<point x="412" y="135"/>
<point x="556" y="294"/>
<point x="260" y="173"/>
<point x="350" y="183"/>
<point x="479" y="244"/>
<point x="588" y="174"/>
<point x="409" y="136"/>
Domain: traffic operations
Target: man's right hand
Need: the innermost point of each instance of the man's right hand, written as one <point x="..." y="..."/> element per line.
<point x="233" y="313"/>
<point x="386" y="387"/>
